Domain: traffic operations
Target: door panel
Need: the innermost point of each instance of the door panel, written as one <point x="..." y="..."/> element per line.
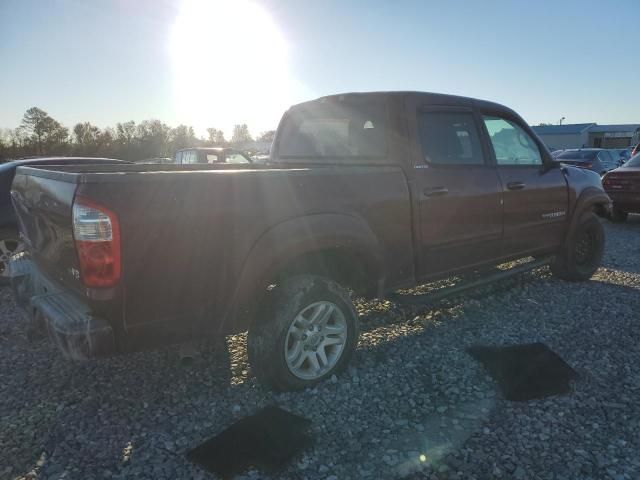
<point x="458" y="192"/>
<point x="462" y="226"/>
<point x="535" y="198"/>
<point x="535" y="215"/>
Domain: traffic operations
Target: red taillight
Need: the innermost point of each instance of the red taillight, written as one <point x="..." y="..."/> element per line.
<point x="97" y="235"/>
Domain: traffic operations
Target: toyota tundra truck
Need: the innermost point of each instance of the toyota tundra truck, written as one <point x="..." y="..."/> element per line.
<point x="363" y="194"/>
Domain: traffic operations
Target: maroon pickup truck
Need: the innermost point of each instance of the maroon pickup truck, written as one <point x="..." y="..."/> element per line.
<point x="364" y="193"/>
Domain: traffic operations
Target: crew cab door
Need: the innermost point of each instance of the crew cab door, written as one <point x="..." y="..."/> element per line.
<point x="535" y="193"/>
<point x="457" y="191"/>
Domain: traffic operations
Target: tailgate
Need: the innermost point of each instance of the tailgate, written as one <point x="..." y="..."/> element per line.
<point x="44" y="207"/>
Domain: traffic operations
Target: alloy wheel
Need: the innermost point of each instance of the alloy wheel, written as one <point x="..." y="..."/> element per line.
<point x="315" y="340"/>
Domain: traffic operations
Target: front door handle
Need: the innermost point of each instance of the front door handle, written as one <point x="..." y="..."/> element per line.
<point x="515" y="185"/>
<point x="436" y="191"/>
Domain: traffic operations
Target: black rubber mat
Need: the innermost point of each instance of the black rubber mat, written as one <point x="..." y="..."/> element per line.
<point x="524" y="372"/>
<point x="266" y="440"/>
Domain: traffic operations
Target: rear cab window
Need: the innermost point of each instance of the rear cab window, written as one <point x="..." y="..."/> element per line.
<point x="345" y="128"/>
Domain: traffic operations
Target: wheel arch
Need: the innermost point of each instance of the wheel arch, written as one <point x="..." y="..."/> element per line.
<point x="591" y="199"/>
<point x="339" y="246"/>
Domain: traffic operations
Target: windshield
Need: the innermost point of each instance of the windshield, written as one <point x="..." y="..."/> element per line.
<point x="578" y="155"/>
<point x="335" y="128"/>
<point x="633" y="161"/>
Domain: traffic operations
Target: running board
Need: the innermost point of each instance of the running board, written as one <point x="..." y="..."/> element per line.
<point x="445" y="292"/>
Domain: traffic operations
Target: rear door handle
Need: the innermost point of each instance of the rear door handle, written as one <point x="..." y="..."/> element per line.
<point x="436" y="191"/>
<point x="515" y="185"/>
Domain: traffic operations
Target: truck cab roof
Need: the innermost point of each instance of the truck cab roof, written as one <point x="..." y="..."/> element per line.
<point x="432" y="98"/>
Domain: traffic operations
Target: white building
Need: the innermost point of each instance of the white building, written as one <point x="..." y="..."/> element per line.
<point x="583" y="135"/>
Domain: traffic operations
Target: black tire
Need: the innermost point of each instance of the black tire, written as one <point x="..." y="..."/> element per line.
<point x="618" y="216"/>
<point x="268" y="335"/>
<point x="8" y="241"/>
<point x="582" y="255"/>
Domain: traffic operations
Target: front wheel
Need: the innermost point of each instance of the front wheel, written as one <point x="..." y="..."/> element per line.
<point x="582" y="255"/>
<point x="309" y="333"/>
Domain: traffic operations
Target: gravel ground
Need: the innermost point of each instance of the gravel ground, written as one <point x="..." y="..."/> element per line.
<point x="413" y="404"/>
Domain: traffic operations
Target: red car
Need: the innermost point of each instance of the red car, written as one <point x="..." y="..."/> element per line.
<point x="623" y="187"/>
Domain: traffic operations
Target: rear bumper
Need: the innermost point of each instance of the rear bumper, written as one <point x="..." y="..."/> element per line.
<point x="68" y="321"/>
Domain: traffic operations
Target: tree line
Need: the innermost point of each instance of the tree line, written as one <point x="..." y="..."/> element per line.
<point x="41" y="135"/>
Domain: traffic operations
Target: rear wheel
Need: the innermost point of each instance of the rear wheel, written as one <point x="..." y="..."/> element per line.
<point x="618" y="216"/>
<point x="9" y="244"/>
<point x="310" y="333"/>
<point x="583" y="253"/>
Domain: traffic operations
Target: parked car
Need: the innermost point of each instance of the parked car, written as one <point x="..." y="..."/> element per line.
<point x="623" y="187"/>
<point x="210" y="155"/>
<point x="364" y="192"/>
<point x="597" y="159"/>
<point x="621" y="154"/>
<point x="9" y="242"/>
<point x="555" y="153"/>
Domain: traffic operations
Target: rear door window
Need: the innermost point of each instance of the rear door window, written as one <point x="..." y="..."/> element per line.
<point x="449" y="139"/>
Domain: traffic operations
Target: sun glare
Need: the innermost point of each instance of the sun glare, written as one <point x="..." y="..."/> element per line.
<point x="229" y="63"/>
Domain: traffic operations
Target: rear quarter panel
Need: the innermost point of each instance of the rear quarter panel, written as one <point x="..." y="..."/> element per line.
<point x="186" y="236"/>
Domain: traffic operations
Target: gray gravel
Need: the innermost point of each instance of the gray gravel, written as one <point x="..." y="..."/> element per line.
<point x="413" y="404"/>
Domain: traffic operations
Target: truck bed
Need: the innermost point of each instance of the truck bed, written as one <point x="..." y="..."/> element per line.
<point x="187" y="231"/>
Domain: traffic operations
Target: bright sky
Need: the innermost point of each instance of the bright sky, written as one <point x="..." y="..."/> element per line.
<point x="220" y="62"/>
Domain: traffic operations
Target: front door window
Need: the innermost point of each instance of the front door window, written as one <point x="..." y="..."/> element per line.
<point x="511" y="144"/>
